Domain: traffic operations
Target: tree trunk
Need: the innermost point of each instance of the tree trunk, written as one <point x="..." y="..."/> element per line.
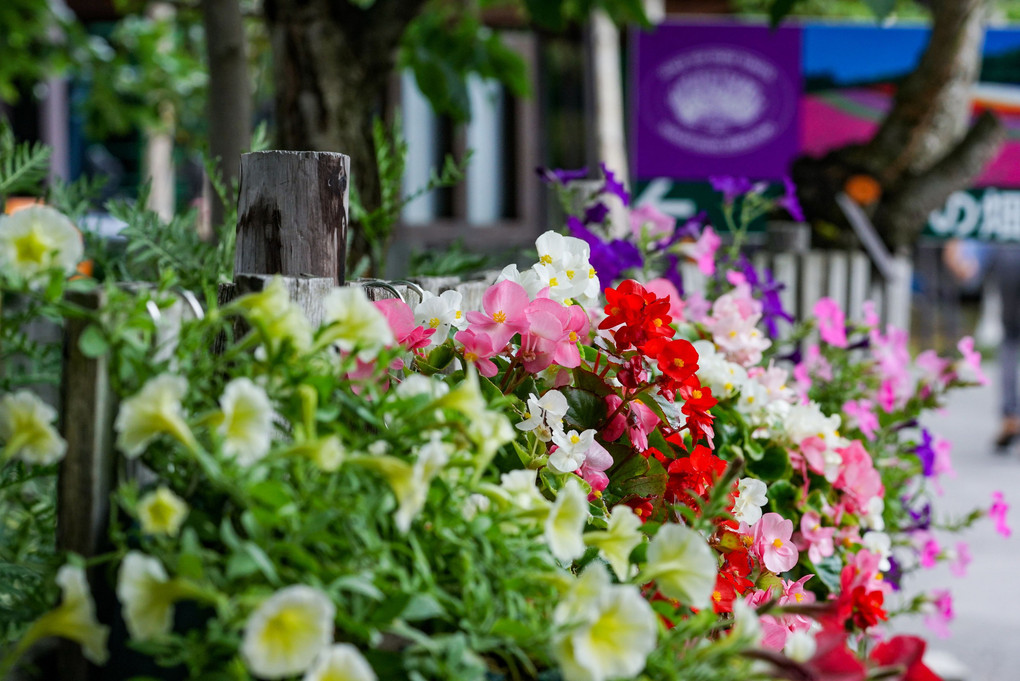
<point x="923" y="150"/>
<point x="229" y="96"/>
<point x="332" y="63"/>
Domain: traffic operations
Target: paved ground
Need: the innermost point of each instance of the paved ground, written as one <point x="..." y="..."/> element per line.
<point x="985" y="636"/>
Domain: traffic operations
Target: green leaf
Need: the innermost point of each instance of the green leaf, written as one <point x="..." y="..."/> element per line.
<point x="422" y="607"/>
<point x="585" y="409"/>
<point x="773" y="464"/>
<point x="548" y="14"/>
<point x="92" y="342"/>
<point x="272" y="493"/>
<point x="881" y="8"/>
<point x="779" y="10"/>
<point x="828" y="570"/>
<point x="782" y="496"/>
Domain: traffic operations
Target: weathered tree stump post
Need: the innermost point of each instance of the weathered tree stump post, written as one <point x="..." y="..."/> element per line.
<point x="292" y="214"/>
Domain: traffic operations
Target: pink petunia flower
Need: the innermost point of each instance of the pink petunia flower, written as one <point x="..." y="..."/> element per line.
<point x="997" y="512"/>
<point x="703" y="250"/>
<point x="648" y="217"/>
<point x="664" y="288"/>
<point x="861" y="415"/>
<point x="772" y="544"/>
<point x="831" y="322"/>
<point x="963" y="558"/>
<point x="941" y="615"/>
<point x="971" y="363"/>
<point x="930" y="550"/>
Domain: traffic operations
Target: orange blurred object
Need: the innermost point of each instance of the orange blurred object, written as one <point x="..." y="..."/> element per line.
<point x="84" y="270"/>
<point x="863" y="189"/>
<point x="16" y="203"/>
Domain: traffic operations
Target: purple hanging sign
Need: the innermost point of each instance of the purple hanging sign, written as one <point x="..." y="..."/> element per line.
<point x="715" y="99"/>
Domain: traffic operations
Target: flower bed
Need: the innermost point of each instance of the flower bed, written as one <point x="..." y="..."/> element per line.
<point x="634" y="486"/>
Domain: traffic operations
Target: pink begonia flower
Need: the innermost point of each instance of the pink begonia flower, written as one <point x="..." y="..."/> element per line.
<point x="592" y="471"/>
<point x="815" y="538"/>
<point x="772" y="544"/>
<point x="647" y="217"/>
<point x="478" y="349"/>
<point x="664" y="288"/>
<point x="998" y="512"/>
<point x="702" y="251"/>
<point x="813" y="450"/>
<point x="928" y="556"/>
<point x="636" y="418"/>
<point x="858" y="478"/>
<point x="861" y="415"/>
<point x="794" y="594"/>
<point x="504" y="304"/>
<point x="959" y="564"/>
<point x="547" y="322"/>
<point x="831" y="322"/>
<point x="864" y="566"/>
<point x="971" y="369"/>
<point x="567" y="355"/>
<point x="941" y="614"/>
<point x="400" y="318"/>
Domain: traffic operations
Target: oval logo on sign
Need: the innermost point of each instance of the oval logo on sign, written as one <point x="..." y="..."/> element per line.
<point x="718" y="101"/>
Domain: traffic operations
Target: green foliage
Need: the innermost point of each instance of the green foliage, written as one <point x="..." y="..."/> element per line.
<point x="454" y="260"/>
<point x="23" y="166"/>
<point x="377" y="225"/>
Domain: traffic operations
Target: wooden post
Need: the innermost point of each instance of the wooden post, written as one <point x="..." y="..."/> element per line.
<point x="88" y="471"/>
<point x="292" y="214"/>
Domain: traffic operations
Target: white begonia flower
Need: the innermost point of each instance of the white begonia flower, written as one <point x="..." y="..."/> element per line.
<point x="75" y="617"/>
<point x="341" y="662"/>
<point x="545" y="415"/>
<point x="880" y="544"/>
<point x="162" y="512"/>
<point x="146" y="596"/>
<point x="287" y="632"/>
<point x="278" y="317"/>
<point x="608" y="630"/>
<point x="561" y="285"/>
<point x="752" y="495"/>
<point x="36" y="239"/>
<point x="565" y="523"/>
<point x="616" y="542"/>
<point x="724" y="377"/>
<point x="440" y="313"/>
<point x="154" y="410"/>
<point x="247" y="426"/>
<point x="528" y="279"/>
<point x="558" y="250"/>
<point x="683" y="566"/>
<point x="571" y="451"/>
<point x="26" y="430"/>
<point x="753" y="400"/>
<point x="354" y="323"/>
<point x="873" y="517"/>
<point x="800" y="645"/>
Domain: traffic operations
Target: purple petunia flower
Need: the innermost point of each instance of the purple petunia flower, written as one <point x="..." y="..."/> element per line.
<point x="789" y="200"/>
<point x="608" y="259"/>
<point x="730" y="187"/>
<point x="767" y="289"/>
<point x="596" y="213"/>
<point x="614" y="186"/>
<point x="926" y="453"/>
<point x="921" y="518"/>
<point x="561" y="175"/>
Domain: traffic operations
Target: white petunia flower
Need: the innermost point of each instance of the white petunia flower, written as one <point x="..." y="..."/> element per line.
<point x="75" y="617"/>
<point x="880" y="544"/>
<point x="475" y="504"/>
<point x="354" y="323"/>
<point x="327" y="453"/>
<point x="162" y="512"/>
<point x="565" y="524"/>
<point x="608" y="630"/>
<point x="247" y="426"/>
<point x="341" y="662"/>
<point x="800" y="646"/>
<point x="287" y="632"/>
<point x="277" y="316"/>
<point x="616" y="542"/>
<point x="751" y="497"/>
<point x="154" y="410"/>
<point x="545" y="415"/>
<point x="410" y="482"/>
<point x="520" y="488"/>
<point x="682" y="564"/>
<point x="417" y="384"/>
<point x="36" y="239"/>
<point x="873" y="516"/>
<point x="572" y="449"/>
<point x="146" y="596"/>
<point x="489" y="430"/>
<point x="26" y="430"/>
